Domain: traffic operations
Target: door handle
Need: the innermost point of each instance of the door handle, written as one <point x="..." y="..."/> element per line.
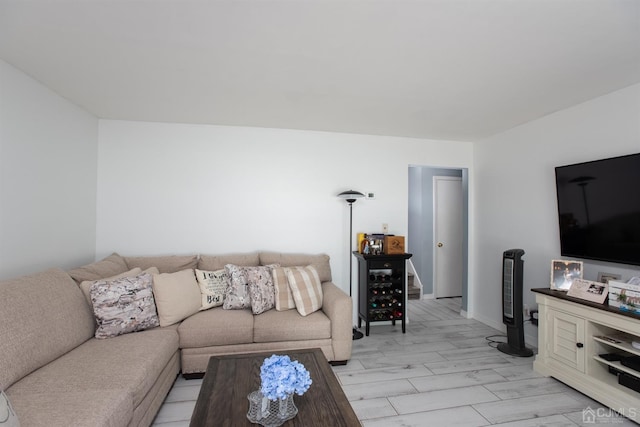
<point x="440" y="244"/>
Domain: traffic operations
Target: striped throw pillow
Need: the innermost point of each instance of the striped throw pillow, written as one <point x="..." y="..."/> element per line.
<point x="306" y="288"/>
<point x="284" y="297"/>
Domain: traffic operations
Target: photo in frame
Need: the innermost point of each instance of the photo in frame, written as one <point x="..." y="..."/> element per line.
<point x="564" y="272"/>
<point x="605" y="277"/>
<point x="588" y="290"/>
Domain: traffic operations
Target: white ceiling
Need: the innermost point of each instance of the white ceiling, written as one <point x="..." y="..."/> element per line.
<point x="441" y="69"/>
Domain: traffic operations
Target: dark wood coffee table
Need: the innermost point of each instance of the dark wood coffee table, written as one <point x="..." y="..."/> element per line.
<point x="229" y="379"/>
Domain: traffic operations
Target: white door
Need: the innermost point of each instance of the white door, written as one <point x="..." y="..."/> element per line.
<point x="447" y="232"/>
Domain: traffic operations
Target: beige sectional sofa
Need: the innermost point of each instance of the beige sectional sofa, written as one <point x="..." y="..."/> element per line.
<point x="56" y="373"/>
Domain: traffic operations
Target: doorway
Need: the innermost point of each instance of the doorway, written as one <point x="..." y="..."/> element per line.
<point x="421" y="241"/>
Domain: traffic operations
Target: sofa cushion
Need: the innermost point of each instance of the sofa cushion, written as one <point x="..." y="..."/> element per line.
<point x="165" y="264"/>
<point x="124" y="305"/>
<point x="306" y="288"/>
<point x="274" y="326"/>
<point x="177" y="296"/>
<point x="261" y="291"/>
<point x="32" y="335"/>
<point x="53" y="408"/>
<point x="107" y="267"/>
<point x="8" y="417"/>
<point x="283" y="295"/>
<point x="212" y="286"/>
<point x="236" y="296"/>
<point x="320" y="262"/>
<point x="217" y="262"/>
<point x="130" y="363"/>
<point x="216" y="327"/>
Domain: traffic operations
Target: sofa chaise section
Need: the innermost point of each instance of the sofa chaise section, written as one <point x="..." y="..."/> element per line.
<point x="56" y="374"/>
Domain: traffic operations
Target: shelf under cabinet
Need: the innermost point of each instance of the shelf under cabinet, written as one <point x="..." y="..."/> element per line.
<point x="617" y="365"/>
<point x="622" y="345"/>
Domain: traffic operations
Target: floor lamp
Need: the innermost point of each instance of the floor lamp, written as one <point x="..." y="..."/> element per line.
<point x="350" y="197"/>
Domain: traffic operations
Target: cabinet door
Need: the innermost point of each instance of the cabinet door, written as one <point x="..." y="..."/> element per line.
<point x="567" y="339"/>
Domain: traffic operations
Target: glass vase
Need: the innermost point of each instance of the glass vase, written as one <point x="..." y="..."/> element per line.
<point x="270" y="413"/>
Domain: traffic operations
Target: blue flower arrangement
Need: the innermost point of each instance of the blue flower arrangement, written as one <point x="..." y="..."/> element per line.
<point x="281" y="376"/>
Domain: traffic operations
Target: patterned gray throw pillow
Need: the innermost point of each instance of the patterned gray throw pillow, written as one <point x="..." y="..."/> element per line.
<point x="236" y="296"/>
<point x="124" y="305"/>
<point x="261" y="290"/>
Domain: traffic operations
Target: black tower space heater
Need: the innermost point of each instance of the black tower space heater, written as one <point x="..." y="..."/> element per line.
<point x="512" y="310"/>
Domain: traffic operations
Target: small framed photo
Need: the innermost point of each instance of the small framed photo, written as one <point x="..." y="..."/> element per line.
<point x="590" y="291"/>
<point x="564" y="272"/>
<point x="605" y="277"/>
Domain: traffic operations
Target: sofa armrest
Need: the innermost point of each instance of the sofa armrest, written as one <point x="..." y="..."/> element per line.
<point x="337" y="306"/>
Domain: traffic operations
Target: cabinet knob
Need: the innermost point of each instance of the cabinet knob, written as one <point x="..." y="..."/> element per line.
<point x="440" y="244"/>
<point x="579" y="345"/>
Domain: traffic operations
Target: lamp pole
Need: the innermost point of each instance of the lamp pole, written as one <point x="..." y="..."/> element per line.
<point x="350" y="197"/>
<point x="350" y="201"/>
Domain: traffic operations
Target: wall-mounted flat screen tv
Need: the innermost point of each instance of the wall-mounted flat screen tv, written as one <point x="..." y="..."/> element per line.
<point x="599" y="209"/>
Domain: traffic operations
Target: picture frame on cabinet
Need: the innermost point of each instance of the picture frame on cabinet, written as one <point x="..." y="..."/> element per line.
<point x="588" y="290"/>
<point x="605" y="277"/>
<point x="564" y="272"/>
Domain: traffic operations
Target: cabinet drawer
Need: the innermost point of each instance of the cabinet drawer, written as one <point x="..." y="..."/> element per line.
<point x="383" y="264"/>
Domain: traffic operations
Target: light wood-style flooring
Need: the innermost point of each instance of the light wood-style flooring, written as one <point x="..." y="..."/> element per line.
<point x="442" y="372"/>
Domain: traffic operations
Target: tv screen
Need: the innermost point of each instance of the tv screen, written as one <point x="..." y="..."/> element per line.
<point x="599" y="209"/>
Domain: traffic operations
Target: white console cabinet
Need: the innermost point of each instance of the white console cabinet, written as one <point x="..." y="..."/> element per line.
<point x="572" y="334"/>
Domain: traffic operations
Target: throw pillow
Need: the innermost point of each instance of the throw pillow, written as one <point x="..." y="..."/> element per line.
<point x="261" y="291"/>
<point x="86" y="284"/>
<point x="8" y="417"/>
<point x="177" y="296"/>
<point x="284" y="297"/>
<point x="212" y="286"/>
<point x="124" y="305"/>
<point x="236" y="296"/>
<point x="306" y="288"/>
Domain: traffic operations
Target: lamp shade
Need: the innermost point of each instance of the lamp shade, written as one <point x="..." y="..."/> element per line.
<point x="351" y="195"/>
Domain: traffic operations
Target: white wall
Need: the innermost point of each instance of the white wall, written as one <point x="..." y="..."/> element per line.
<point x="177" y="189"/>
<point x="48" y="160"/>
<point x="515" y="200"/>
